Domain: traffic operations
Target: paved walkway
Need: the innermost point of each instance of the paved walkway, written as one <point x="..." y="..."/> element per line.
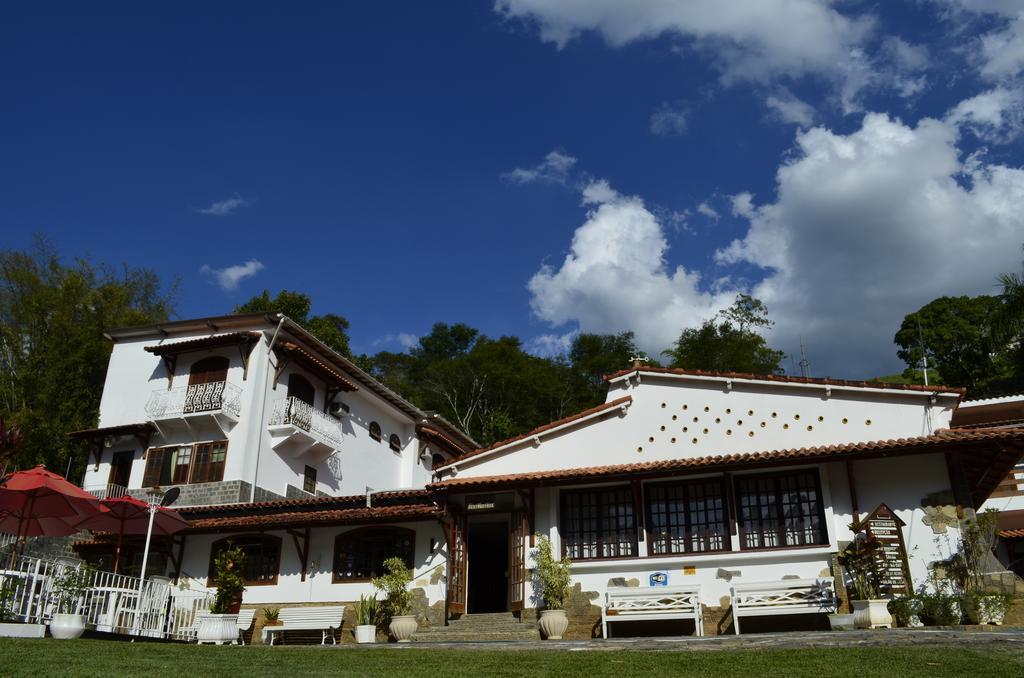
<point x="1003" y="639"/>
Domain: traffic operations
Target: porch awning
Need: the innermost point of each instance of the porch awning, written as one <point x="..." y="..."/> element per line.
<point x="986" y="457"/>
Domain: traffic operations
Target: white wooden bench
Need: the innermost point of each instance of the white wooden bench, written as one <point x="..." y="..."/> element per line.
<point x="630" y="603"/>
<point x="323" y="619"/>
<point x="245" y="618"/>
<point x="787" y="596"/>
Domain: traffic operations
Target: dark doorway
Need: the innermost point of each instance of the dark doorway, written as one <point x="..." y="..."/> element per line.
<point x="488" y="563"/>
<point x="121" y="468"/>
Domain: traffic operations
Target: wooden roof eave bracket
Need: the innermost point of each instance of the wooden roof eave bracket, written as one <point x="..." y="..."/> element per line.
<point x="170" y="364"/>
<point x="301" y="540"/>
<point x="244" y="351"/>
<point x="282" y="362"/>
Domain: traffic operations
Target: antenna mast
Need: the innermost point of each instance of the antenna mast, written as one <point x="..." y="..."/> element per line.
<point x="805" y="365"/>
<point x="924" y="354"/>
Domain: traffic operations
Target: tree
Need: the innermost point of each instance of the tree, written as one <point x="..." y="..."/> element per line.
<point x="53" y="355"/>
<point x="728" y="342"/>
<point x="593" y="356"/>
<point x="955" y="334"/>
<point x="330" y="328"/>
<point x="1008" y="327"/>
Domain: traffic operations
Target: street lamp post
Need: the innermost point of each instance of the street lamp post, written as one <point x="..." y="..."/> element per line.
<point x="154" y="499"/>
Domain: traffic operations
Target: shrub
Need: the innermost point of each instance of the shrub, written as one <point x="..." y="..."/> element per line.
<point x="366" y="610"/>
<point x="70" y="587"/>
<point x="552" y="576"/>
<point x="859" y="561"/>
<point x="271" y="614"/>
<point x="228" y="567"/>
<point x="394" y="584"/>
<point x="940" y="608"/>
<point x="904" y="608"/>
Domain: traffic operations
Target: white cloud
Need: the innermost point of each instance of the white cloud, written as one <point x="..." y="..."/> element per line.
<point x="615" y="276"/>
<point x="229" y="278"/>
<point x="789" y="109"/>
<point x="707" y="210"/>
<point x="554" y="168"/>
<point x="226" y="206"/>
<point x="996" y="115"/>
<point x="864" y="228"/>
<point x="748" y="40"/>
<point x="552" y="345"/>
<point x="670" y="119"/>
<point x="868" y="227"/>
<point x="1003" y="51"/>
<point x="404" y="339"/>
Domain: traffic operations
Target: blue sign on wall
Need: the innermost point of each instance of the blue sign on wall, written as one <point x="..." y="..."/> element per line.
<point x="659" y="579"/>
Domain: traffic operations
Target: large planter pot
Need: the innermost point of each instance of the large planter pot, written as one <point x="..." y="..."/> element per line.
<point x="871" y="614"/>
<point x="367" y="633"/>
<point x="67" y="626"/>
<point x="985" y="609"/>
<point x="841" y="622"/>
<point x="403" y="626"/>
<point x="217" y="629"/>
<point x="553" y="623"/>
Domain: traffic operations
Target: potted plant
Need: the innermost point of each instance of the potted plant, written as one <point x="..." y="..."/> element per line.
<point x="971" y="563"/>
<point x="551" y="579"/>
<point x="70" y="584"/>
<point x="221" y="625"/>
<point x="270" y="616"/>
<point x="397" y="603"/>
<point x="366" y="619"/>
<point x="870" y="610"/>
<point x="906" y="610"/>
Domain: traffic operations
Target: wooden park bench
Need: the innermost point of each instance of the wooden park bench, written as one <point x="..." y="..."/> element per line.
<point x="787" y="596"/>
<point x="323" y="619"/>
<point x="626" y="603"/>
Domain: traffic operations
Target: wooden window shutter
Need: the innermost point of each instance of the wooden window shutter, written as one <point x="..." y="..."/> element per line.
<point x="154" y="460"/>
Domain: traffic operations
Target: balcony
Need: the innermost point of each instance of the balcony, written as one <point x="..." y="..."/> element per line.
<point x="217" y="402"/>
<point x="298" y="428"/>
<point x="108" y="491"/>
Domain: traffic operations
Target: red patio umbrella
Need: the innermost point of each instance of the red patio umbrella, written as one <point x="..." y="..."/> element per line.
<point x="128" y="515"/>
<point x="37" y="502"/>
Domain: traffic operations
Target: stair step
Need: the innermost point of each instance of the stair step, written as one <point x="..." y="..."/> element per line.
<point x="476" y="636"/>
<point x="502" y="628"/>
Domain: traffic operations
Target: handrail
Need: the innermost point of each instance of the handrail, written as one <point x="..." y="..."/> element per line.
<point x="300" y="414"/>
<point x="213" y="396"/>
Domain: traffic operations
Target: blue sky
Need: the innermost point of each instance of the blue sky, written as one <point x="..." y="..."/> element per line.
<point x="530" y="167"/>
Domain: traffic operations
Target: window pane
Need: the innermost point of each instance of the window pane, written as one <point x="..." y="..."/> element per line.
<point x="687" y="517"/>
<point x="758" y="512"/>
<point x="781" y="510"/>
<point x="360" y="555"/>
<point x="262" y="556"/>
<point x="598" y="524"/>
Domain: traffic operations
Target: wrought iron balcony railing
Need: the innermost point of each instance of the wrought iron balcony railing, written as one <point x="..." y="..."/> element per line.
<point x="301" y="415"/>
<point x="213" y="397"/>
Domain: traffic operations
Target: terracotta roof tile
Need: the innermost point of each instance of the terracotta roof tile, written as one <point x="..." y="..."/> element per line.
<point x="324" y="503"/>
<point x="313" y="518"/>
<point x="1011" y="534"/>
<point x="546" y="427"/>
<point x="215" y="341"/>
<point x="827" y="381"/>
<point x="937" y="441"/>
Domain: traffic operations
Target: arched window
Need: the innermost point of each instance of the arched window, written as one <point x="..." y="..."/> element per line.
<point x="300" y="388"/>
<point x="359" y="555"/>
<point x="394" y="442"/>
<point x="262" y="557"/>
<point x="375" y="431"/>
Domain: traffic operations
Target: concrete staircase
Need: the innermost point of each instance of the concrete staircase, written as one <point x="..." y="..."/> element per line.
<point x="479" y="627"/>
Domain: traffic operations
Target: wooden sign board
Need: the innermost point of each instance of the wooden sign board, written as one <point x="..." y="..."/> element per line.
<point x="891" y="558"/>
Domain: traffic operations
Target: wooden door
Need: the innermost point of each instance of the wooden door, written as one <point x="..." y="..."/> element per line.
<point x="517" y="561"/>
<point x="206" y="384"/>
<point x="458" y="562"/>
<point x="121" y="468"/>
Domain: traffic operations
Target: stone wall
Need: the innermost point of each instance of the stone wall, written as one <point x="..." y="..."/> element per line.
<point x="221" y="492"/>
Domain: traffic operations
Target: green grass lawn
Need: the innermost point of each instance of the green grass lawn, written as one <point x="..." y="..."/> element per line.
<point x="49" y="657"/>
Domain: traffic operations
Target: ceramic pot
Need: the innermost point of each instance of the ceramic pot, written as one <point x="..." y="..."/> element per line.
<point x="403" y="626"/>
<point x="217" y="629"/>
<point x="871" y="614"/>
<point x="984" y="610"/>
<point x="553" y="623"/>
<point x="67" y="626"/>
<point x="841" y="622"/>
<point x="366" y="633"/>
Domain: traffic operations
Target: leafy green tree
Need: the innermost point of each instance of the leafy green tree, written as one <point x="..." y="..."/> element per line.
<point x="955" y="335"/>
<point x="592" y="356"/>
<point x="53" y="355"/>
<point x="330" y="328"/>
<point x="729" y="342"/>
<point x="1008" y="327"/>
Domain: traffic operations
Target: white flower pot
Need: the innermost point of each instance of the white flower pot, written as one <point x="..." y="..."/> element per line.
<point x="403" y="626"/>
<point x="872" y="614"/>
<point x="67" y="626"/>
<point x="985" y="610"/>
<point x="553" y="623"/>
<point x="841" y="622"/>
<point x="366" y="633"/>
<point x="217" y="629"/>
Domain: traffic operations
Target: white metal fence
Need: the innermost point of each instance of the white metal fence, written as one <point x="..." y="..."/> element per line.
<point x="214" y="396"/>
<point x="106" y="491"/>
<point x="293" y="411"/>
<point x="32" y="590"/>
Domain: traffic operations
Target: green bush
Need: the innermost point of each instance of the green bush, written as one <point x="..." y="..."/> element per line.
<point x="940" y="608"/>
<point x="394" y="584"/>
<point x="228" y="568"/>
<point x="904" y="608"/>
<point x="366" y="610"/>
<point x="552" y="576"/>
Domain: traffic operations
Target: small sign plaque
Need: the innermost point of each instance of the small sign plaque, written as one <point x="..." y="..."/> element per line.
<point x="689" y="569"/>
<point x="891" y="557"/>
<point x="659" y="579"/>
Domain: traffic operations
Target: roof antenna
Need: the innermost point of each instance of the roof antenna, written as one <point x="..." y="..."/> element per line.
<point x="924" y="354"/>
<point x="805" y="365"/>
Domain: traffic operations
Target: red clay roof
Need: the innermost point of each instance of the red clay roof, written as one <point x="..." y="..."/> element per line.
<point x="827" y="381"/>
<point x="944" y="439"/>
<point x="313" y="518"/>
<point x="546" y="427"/>
<point x="315" y="364"/>
<point x="215" y="341"/>
<point x="1011" y="534"/>
<point x="345" y="501"/>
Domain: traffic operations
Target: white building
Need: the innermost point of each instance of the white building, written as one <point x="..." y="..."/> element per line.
<point x="320" y="472"/>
